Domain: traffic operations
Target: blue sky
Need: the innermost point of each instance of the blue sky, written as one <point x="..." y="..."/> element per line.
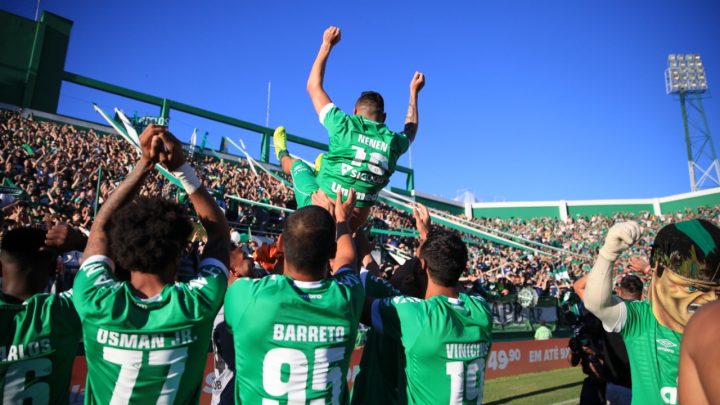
<point x="525" y="100"/>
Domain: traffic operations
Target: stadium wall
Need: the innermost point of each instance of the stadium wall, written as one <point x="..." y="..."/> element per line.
<point x="586" y="208"/>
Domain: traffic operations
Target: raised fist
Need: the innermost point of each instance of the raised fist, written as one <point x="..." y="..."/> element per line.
<point x="619" y="238"/>
<point x="417" y="82"/>
<point x="331" y="36"/>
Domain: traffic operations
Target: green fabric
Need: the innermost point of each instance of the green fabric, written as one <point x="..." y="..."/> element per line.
<point x="28" y="149"/>
<point x="381" y="379"/>
<point x="362" y="155"/>
<point x="654" y="352"/>
<point x="293" y="341"/>
<point x="698" y="234"/>
<point x="38" y="343"/>
<point x="151" y="351"/>
<point x="304" y="183"/>
<point x="446" y="344"/>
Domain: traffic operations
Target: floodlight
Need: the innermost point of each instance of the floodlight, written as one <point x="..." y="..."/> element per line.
<point x="685" y="73"/>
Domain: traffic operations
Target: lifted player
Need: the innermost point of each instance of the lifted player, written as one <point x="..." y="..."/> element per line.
<point x="363" y="152"/>
<point x="685" y="261"/>
<point x="40" y="332"/>
<point x="146" y="339"/>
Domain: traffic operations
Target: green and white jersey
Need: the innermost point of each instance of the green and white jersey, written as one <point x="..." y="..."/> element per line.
<point x="381" y="379"/>
<point x="146" y="351"/>
<point x="362" y="155"/>
<point x="38" y="344"/>
<point x="446" y="343"/>
<point x="654" y="352"/>
<point x="293" y="339"/>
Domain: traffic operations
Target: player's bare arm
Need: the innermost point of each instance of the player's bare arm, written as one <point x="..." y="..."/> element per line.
<point x="150" y="145"/>
<point x="211" y="217"/>
<point x="411" y="119"/>
<point x="315" y="89"/>
<point x="699" y="356"/>
<point x="345" y="255"/>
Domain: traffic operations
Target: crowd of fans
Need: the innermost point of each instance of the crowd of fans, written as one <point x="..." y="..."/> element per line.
<point x="56" y="173"/>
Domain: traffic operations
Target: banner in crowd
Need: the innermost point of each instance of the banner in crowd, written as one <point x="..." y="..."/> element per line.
<point x="505" y="359"/>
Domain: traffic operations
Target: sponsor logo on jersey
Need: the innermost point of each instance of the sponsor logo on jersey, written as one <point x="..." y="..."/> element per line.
<point x="358" y="195"/>
<point x="373" y="143"/>
<point x="665" y="345"/>
<point x="349" y="171"/>
<point x="23" y="351"/>
<point x="308" y="333"/>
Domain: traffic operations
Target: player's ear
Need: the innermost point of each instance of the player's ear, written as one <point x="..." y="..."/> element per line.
<point x="383" y="117"/>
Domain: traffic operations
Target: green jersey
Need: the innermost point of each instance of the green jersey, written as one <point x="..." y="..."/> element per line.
<point x="38" y="344"/>
<point x="293" y="340"/>
<point x="146" y="351"/>
<point x="446" y="343"/>
<point x="654" y="352"/>
<point x="362" y="154"/>
<point x="381" y="379"/>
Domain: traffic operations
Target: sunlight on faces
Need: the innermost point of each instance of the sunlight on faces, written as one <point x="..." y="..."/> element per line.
<point x="675" y="298"/>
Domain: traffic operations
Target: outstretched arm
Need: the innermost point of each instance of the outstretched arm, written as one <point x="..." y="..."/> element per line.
<point x="319" y="97"/>
<point x="411" y="120"/>
<point x="598" y="291"/>
<point x="211" y="217"/>
<point x="97" y="243"/>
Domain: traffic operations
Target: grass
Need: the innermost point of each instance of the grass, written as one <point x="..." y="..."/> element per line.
<point x="547" y="387"/>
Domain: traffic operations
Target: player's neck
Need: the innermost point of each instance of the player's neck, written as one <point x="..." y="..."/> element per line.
<point x="15" y="289"/>
<point x="292" y="272"/>
<point x="435" y="290"/>
<point x="146" y="285"/>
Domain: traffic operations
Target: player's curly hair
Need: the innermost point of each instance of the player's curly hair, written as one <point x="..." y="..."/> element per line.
<point x="149" y="234"/>
<point x="445" y="255"/>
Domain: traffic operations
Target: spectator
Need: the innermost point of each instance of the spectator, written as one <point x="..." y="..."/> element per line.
<point x="543" y="332"/>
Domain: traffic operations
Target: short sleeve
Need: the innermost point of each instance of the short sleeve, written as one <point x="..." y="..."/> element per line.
<point x="336" y="122"/>
<point x="376" y="287"/>
<point x="637" y="313"/>
<point x="64" y="310"/>
<point x="401" y="142"/>
<point x="237" y="298"/>
<point x="93" y="283"/>
<point x="207" y="290"/>
<point x="399" y="318"/>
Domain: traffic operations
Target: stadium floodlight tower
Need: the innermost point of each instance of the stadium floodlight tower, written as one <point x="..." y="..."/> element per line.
<point x="685" y="77"/>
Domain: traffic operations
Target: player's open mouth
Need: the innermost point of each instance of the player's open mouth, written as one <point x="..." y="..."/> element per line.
<point x="693" y="307"/>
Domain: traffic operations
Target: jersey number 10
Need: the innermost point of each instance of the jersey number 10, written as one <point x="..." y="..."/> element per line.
<point x="296" y="385"/>
<point x="466" y="384"/>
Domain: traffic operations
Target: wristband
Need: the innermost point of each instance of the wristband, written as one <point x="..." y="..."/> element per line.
<point x="188" y="178"/>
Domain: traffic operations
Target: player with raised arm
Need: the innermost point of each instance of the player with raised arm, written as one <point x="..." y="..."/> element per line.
<point x="146" y="340"/>
<point x="685" y="258"/>
<point x="362" y="153"/>
<point x="446" y="337"/>
<point x="294" y="333"/>
<point x="40" y="332"/>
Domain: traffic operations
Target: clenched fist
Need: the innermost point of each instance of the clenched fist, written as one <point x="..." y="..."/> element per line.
<point x="619" y="238"/>
<point x="417" y="82"/>
<point x="331" y="36"/>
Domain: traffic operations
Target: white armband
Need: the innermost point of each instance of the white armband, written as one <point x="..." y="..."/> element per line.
<point x="188" y="178"/>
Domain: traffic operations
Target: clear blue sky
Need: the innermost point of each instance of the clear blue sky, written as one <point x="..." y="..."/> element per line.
<point x="525" y="100"/>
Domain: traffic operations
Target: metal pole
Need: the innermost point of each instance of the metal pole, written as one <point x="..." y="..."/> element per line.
<point x="688" y="142"/>
<point x="267" y="111"/>
<point x="97" y="191"/>
<point x="37" y="10"/>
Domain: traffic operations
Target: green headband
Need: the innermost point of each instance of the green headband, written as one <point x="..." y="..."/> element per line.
<point x="698" y="234"/>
